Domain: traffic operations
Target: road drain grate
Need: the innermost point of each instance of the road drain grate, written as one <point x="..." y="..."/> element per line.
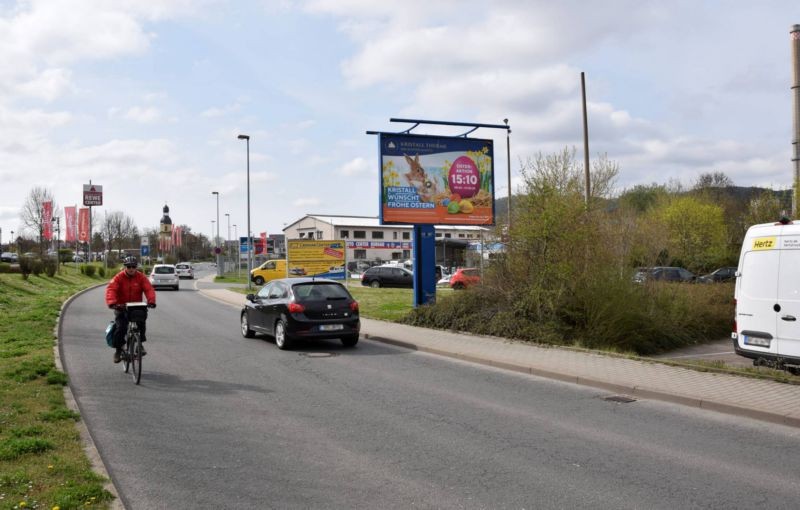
<point x="317" y="354"/>
<point x="620" y="398"/>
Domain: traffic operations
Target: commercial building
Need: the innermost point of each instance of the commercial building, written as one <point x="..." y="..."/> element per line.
<point x="370" y="243"/>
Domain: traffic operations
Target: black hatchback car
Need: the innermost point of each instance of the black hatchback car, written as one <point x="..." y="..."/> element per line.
<point x="292" y="309"/>
<point x="387" y="276"/>
<point x="723" y="274"/>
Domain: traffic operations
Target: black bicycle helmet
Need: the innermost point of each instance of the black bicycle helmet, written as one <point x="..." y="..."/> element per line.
<point x="130" y="262"/>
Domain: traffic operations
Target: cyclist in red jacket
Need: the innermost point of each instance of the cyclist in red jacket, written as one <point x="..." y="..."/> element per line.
<point x="128" y="286"/>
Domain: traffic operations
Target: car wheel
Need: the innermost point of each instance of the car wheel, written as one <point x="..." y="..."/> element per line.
<point x="177" y="287"/>
<point x="246" y="331"/>
<point x="350" y="340"/>
<point x="458" y="286"/>
<point x="375" y="284"/>
<point x="281" y="338"/>
<point x="259" y="280"/>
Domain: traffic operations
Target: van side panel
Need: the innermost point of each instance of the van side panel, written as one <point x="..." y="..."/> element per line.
<point x="757" y="291"/>
<point x="788" y="330"/>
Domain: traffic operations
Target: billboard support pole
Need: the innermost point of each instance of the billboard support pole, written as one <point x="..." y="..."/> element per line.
<point x="424" y="265"/>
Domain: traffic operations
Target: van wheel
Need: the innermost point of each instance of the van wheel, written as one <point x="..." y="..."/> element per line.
<point x="375" y="284"/>
<point x="259" y="280"/>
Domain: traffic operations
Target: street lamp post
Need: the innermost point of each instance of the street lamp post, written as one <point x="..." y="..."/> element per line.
<point x="212" y="233"/>
<point x="58" y="242"/>
<point x="228" y="239"/>
<point x="508" y="166"/>
<point x="13" y="242"/>
<point x="249" y="237"/>
<point x="216" y="240"/>
<point x="237" y="255"/>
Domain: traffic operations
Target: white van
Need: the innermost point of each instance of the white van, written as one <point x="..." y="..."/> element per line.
<point x="767" y="328"/>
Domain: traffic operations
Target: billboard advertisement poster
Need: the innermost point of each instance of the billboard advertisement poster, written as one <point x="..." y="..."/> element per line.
<point x="434" y="180"/>
<point x="324" y="259"/>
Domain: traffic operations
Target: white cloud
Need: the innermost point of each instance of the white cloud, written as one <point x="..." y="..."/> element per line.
<point x="356" y="167"/>
<point x="303" y="202"/>
<point x="215" y="112"/>
<point x="47" y="85"/>
<point x="143" y="115"/>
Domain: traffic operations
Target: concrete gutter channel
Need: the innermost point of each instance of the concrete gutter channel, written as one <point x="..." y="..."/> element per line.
<point x="730" y="394"/>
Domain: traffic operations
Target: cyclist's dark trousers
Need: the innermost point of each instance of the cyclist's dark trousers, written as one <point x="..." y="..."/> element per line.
<point x="122" y="328"/>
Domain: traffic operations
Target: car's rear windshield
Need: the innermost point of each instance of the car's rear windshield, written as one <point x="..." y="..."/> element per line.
<point x="313" y="290"/>
<point x="182" y="266"/>
<point x="164" y="270"/>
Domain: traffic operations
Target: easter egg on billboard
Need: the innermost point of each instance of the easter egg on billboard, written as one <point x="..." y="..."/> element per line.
<point x="464" y="177"/>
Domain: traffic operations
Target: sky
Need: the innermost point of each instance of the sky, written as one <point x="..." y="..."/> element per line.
<point x="146" y="97"/>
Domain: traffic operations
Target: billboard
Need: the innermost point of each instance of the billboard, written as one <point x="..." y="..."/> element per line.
<point x="324" y="259"/>
<point x="434" y="180"/>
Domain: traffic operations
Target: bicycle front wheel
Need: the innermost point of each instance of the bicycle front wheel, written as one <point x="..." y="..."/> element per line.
<point x="134" y="354"/>
<point x="126" y="359"/>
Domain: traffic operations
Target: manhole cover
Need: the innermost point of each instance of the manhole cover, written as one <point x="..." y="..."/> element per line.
<point x="317" y="354"/>
<point x="620" y="398"/>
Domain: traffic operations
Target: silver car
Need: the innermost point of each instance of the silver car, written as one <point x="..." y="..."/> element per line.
<point x="164" y="275"/>
<point x="184" y="270"/>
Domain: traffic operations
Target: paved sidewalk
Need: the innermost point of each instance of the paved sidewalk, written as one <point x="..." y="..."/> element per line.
<point x="743" y="396"/>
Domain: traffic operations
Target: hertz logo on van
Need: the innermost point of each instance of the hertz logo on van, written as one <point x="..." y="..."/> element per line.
<point x="763" y="243"/>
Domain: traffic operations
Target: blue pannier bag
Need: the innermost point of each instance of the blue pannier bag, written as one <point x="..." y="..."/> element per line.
<point x="110" y="329"/>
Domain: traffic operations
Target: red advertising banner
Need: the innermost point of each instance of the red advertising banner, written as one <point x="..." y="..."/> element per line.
<point x="83" y="224"/>
<point x="70" y="224"/>
<point x="177" y="236"/>
<point x="47" y="220"/>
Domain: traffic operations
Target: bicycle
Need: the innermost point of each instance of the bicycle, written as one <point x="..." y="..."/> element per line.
<point x="131" y="357"/>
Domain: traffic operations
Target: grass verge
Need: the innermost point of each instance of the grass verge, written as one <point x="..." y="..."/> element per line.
<point x="42" y="463"/>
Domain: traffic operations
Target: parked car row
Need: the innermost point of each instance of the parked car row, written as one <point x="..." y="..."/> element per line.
<point x="679" y="274"/>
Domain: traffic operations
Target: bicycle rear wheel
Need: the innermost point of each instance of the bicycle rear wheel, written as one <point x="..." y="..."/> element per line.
<point x="134" y="350"/>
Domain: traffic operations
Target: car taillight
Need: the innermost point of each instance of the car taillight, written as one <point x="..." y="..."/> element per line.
<point x="354" y="306"/>
<point x="296" y="308"/>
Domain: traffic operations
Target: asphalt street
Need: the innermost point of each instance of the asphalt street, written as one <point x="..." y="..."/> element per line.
<point x="220" y="421"/>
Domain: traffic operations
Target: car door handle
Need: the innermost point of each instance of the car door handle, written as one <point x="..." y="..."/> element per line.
<point x="790" y="318"/>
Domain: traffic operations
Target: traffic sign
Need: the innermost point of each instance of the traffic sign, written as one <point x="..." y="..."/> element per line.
<point x="145" y="250"/>
<point x="217" y="250"/>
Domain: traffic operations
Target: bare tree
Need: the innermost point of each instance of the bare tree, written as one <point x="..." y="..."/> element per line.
<point x="712" y="180"/>
<point x="119" y="230"/>
<point x="32" y="215"/>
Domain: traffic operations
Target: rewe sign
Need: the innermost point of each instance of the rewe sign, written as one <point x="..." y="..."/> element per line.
<point x="92" y="194"/>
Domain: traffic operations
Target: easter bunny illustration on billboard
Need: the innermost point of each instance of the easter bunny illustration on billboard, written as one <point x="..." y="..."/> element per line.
<point x="427" y="188"/>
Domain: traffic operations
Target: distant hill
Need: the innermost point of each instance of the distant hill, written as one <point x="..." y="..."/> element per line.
<point x="742" y="194"/>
